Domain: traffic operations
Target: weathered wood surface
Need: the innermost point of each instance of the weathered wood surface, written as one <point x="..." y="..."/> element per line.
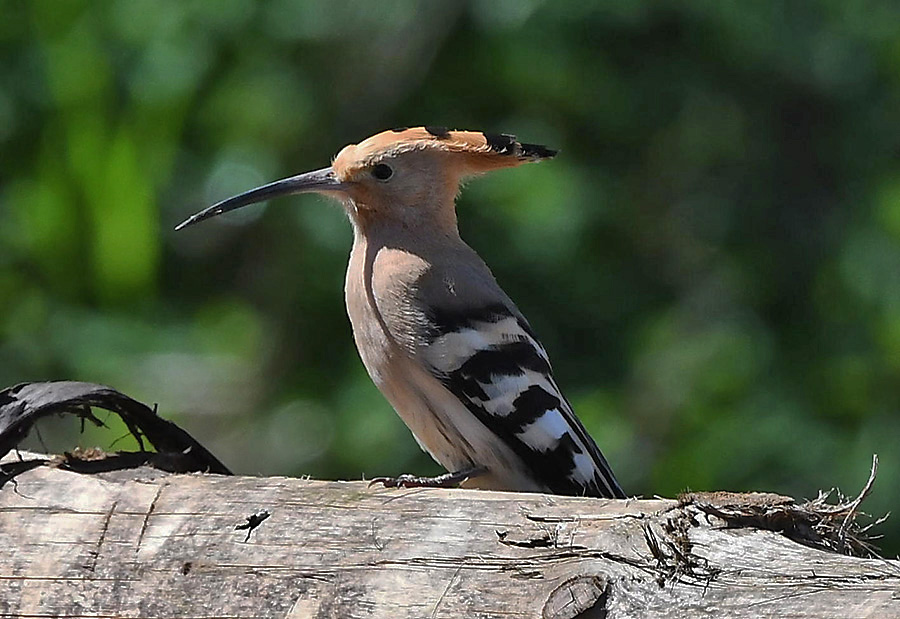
<point x="142" y="543"/>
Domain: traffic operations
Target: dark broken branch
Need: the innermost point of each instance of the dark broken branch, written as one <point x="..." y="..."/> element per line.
<point x="176" y="450"/>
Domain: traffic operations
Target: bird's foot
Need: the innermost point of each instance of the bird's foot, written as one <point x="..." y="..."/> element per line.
<point x="447" y="480"/>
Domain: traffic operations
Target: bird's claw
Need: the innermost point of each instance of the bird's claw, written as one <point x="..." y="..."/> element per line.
<point x="447" y="480"/>
<point x="402" y="481"/>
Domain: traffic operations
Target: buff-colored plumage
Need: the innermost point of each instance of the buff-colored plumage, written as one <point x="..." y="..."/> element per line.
<point x="439" y="337"/>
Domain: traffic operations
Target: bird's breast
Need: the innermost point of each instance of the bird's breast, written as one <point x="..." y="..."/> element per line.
<point x="381" y="304"/>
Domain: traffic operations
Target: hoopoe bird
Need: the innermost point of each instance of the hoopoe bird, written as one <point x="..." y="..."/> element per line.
<point x="441" y="340"/>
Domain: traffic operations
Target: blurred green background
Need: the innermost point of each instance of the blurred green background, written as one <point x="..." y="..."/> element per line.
<point x="713" y="261"/>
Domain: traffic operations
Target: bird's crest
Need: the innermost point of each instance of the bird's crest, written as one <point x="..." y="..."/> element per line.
<point x="478" y="151"/>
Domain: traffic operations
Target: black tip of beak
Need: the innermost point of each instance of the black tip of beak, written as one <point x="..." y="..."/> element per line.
<point x="192" y="220"/>
<point x="322" y="180"/>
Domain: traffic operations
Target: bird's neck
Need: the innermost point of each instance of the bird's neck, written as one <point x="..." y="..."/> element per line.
<point x="432" y="220"/>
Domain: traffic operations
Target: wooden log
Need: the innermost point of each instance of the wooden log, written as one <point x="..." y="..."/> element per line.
<point x="142" y="543"/>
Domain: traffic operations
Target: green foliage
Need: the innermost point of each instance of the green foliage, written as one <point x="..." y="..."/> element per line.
<point x="716" y="249"/>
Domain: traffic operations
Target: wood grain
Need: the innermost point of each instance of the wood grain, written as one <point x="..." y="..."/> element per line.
<point x="141" y="543"/>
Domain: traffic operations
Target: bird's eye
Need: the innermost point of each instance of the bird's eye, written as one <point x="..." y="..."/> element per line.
<point x="382" y="171"/>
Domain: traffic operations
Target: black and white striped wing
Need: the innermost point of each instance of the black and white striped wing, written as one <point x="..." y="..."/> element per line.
<point x="492" y="362"/>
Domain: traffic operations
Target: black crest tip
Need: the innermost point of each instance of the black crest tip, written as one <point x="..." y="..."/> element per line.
<point x="538" y="151"/>
<point x="501" y="143"/>
<point x="438" y="132"/>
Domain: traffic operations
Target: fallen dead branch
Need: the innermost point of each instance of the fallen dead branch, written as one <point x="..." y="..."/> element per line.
<point x="142" y="543"/>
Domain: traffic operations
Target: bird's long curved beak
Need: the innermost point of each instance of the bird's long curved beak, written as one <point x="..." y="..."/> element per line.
<point x="317" y="181"/>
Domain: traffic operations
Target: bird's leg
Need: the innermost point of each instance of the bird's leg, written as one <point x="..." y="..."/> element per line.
<point x="447" y="480"/>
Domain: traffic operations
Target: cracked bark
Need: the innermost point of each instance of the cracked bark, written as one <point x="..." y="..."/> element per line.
<point x="141" y="543"/>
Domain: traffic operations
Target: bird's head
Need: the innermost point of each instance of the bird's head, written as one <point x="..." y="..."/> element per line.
<point x="407" y="173"/>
